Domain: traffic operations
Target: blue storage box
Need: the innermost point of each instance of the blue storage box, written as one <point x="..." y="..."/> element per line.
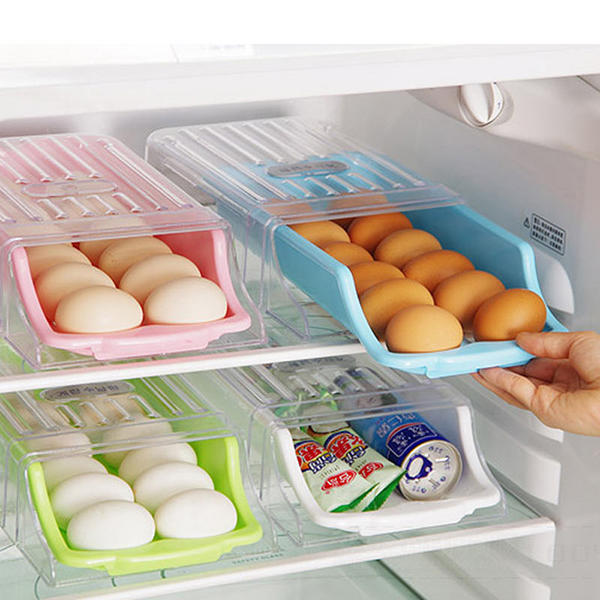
<point x="267" y="174"/>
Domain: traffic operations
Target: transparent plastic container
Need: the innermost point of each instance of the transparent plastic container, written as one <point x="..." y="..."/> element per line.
<point x="79" y="187"/>
<point x="270" y="400"/>
<point x="267" y="174"/>
<point x="100" y="420"/>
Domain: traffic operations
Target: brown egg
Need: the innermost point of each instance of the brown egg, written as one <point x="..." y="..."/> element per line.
<point x="368" y="274"/>
<point x="423" y="329"/>
<point x="382" y="301"/>
<point x="350" y="201"/>
<point x="348" y="253"/>
<point x="321" y="233"/>
<point x="401" y="246"/>
<point x="504" y="315"/>
<point x="462" y="294"/>
<point x="432" y="268"/>
<point x="370" y="230"/>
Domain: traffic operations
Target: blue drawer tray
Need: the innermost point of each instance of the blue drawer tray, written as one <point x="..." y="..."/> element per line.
<point x="489" y="247"/>
<point x="266" y="174"/>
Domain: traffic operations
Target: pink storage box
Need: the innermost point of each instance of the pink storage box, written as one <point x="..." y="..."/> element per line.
<point x="76" y="187"/>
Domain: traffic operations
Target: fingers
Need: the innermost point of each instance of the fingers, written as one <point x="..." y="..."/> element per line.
<point x="543" y="369"/>
<point x="581" y="348"/>
<point x="577" y="412"/>
<point x="548" y="344"/>
<point x="498" y="391"/>
<point x="517" y="386"/>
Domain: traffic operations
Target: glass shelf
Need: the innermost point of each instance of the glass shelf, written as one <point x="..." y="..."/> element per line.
<point x="259" y="561"/>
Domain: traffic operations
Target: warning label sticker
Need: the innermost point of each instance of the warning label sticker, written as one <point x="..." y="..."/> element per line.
<point x="547" y="233"/>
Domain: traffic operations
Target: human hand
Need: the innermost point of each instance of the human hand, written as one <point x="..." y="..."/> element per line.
<point x="561" y="387"/>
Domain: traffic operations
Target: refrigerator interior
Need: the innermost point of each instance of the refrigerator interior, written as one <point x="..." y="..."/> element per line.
<point x="549" y="476"/>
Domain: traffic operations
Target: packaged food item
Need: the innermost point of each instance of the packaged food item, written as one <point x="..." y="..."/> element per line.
<point x="433" y="465"/>
<point x="344" y="443"/>
<point x="334" y="486"/>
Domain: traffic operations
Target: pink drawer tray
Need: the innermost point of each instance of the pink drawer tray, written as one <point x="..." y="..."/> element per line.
<point x="207" y="249"/>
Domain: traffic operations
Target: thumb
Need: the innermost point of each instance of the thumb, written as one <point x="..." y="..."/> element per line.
<point x="582" y="348"/>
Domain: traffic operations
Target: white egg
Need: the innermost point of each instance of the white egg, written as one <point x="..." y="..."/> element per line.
<point x="138" y="461"/>
<point x="78" y="492"/>
<point x="93" y="249"/>
<point x="144" y="276"/>
<point x="60" y="441"/>
<point x="58" y="281"/>
<point x="43" y="257"/>
<point x="97" y="309"/>
<point x="122" y="254"/>
<point x="186" y="300"/>
<point x="195" y="514"/>
<point x="142" y="428"/>
<point x="157" y="484"/>
<point x="58" y="470"/>
<point x="111" y="525"/>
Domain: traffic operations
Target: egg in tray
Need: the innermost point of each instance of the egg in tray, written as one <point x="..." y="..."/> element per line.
<point x="417" y="296"/>
<point x="441" y="291"/>
<point x="123" y="477"/>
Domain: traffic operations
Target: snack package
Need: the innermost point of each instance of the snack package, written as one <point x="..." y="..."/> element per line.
<point x="335" y="486"/>
<point x="344" y="443"/>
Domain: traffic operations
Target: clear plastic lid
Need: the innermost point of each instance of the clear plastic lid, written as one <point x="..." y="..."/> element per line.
<point x="290" y="169"/>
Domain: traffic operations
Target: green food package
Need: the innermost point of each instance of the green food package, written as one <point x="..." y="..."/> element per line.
<point x="334" y="486"/>
<point x="345" y="444"/>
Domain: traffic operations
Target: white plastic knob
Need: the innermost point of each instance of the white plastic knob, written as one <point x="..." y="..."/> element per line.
<point x="480" y="103"/>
